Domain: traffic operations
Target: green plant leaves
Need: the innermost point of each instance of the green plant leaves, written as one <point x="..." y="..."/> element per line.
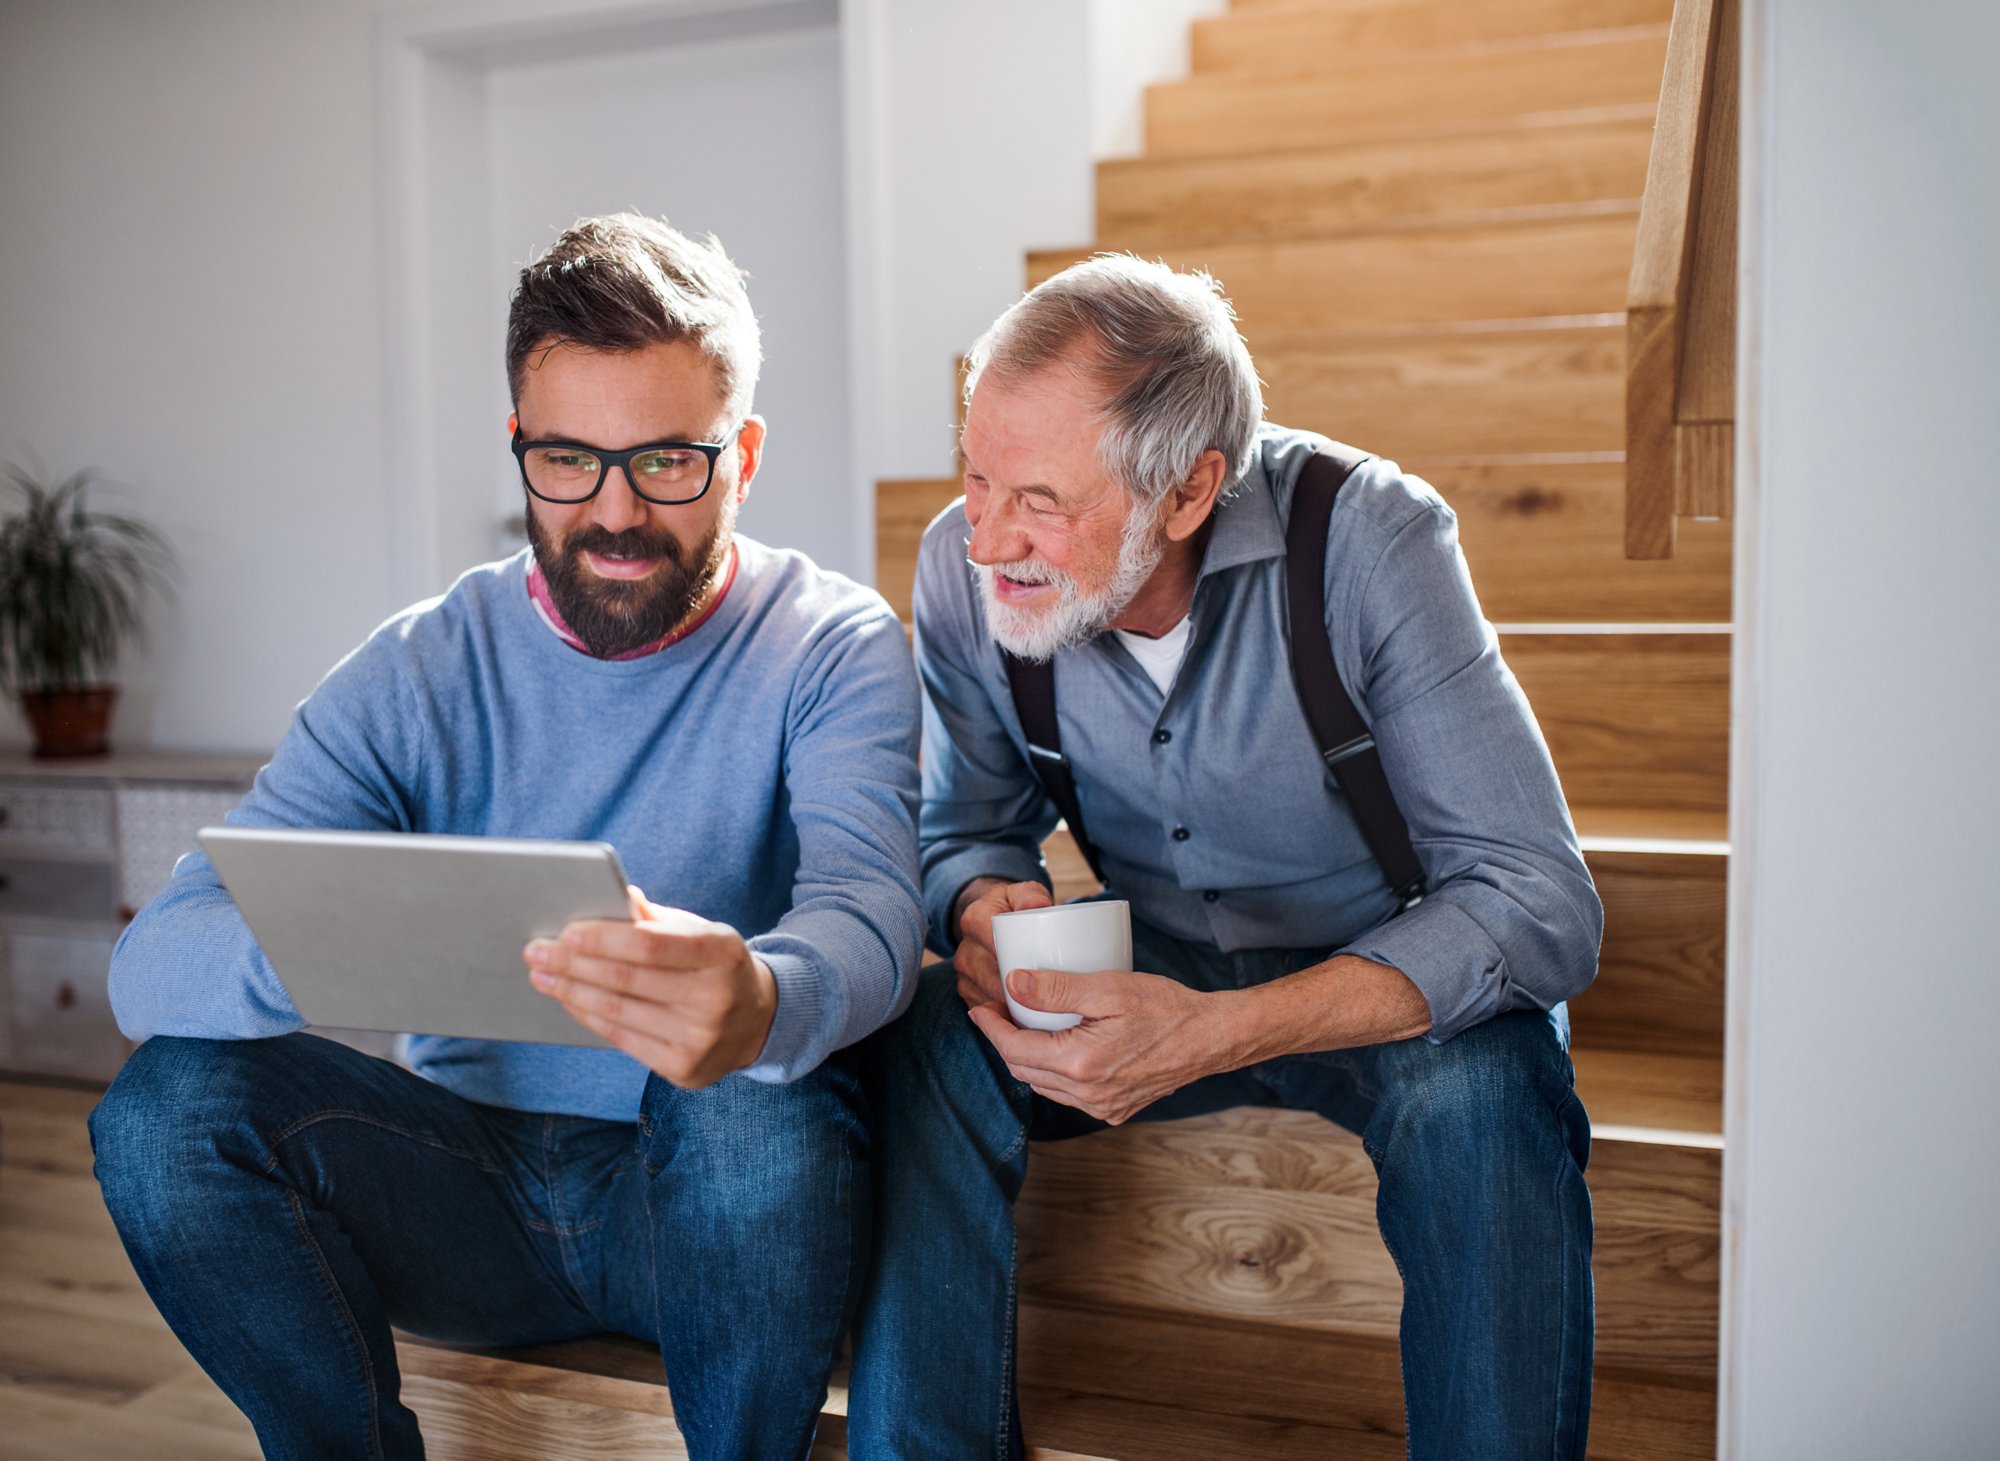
<point x="73" y="583"/>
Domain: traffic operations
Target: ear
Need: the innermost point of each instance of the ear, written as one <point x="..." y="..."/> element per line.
<point x="749" y="453"/>
<point x="513" y="422"/>
<point x="1188" y="506"/>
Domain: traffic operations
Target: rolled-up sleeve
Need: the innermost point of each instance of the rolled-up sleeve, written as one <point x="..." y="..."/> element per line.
<point x="1511" y="919"/>
<point x="985" y="811"/>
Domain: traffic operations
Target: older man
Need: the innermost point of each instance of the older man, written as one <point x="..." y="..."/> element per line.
<point x="1378" y="923"/>
<point x="743" y="727"/>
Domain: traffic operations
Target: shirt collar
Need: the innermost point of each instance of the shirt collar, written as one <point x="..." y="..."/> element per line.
<point x="1246" y="528"/>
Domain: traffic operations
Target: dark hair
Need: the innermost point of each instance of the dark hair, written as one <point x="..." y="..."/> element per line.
<point x="624" y="281"/>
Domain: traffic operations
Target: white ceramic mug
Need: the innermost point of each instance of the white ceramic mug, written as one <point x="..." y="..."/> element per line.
<point x="1077" y="938"/>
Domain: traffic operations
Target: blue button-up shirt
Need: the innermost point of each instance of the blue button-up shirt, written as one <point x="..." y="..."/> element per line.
<point x="1272" y="856"/>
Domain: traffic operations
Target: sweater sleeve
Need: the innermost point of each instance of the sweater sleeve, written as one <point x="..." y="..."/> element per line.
<point x="845" y="954"/>
<point x="188" y="965"/>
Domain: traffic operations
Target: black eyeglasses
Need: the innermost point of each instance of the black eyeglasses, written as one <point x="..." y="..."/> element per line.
<point x="667" y="472"/>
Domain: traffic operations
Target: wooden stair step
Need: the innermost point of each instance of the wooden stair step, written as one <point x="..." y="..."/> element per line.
<point x="1548" y="389"/>
<point x="1095" y="1383"/>
<point x="904" y="507"/>
<point x="1646" y="1091"/>
<point x="593" y="1398"/>
<point x="1632" y="719"/>
<point x="1608" y="73"/>
<point x="1660" y="982"/>
<point x="1322" y="37"/>
<point x="1615" y="827"/>
<point x="1149" y="1386"/>
<point x="1546" y="543"/>
<point x="1269" y="1216"/>
<point x="602" y="1399"/>
<point x="1155" y="203"/>
<point x="1441" y="274"/>
<point x="1545" y="539"/>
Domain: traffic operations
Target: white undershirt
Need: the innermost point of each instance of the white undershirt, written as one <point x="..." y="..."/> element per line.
<point x="1159" y="658"/>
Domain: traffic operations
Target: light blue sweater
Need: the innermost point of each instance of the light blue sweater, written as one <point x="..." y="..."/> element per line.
<point x="761" y="772"/>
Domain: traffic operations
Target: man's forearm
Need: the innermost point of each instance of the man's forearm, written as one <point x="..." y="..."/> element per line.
<point x="1337" y="1005"/>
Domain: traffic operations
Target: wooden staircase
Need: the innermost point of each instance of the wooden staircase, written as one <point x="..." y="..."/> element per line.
<point x="1424" y="211"/>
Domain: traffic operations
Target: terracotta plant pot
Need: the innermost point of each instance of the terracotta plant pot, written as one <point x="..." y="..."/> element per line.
<point x="70" y="722"/>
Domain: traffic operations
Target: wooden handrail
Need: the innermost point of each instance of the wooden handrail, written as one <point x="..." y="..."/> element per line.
<point x="1681" y="300"/>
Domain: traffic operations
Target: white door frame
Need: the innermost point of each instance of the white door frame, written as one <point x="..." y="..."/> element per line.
<point x="1745" y="705"/>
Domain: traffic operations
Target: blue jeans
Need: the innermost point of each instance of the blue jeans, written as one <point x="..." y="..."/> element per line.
<point x="1479" y="1145"/>
<point x="286" y="1201"/>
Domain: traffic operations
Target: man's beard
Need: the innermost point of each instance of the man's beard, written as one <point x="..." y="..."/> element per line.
<point x="614" y="616"/>
<point x="1075" y="617"/>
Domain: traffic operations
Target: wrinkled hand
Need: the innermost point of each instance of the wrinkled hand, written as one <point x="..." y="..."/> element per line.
<point x="1142" y="1037"/>
<point x="682" y="995"/>
<point x="978" y="968"/>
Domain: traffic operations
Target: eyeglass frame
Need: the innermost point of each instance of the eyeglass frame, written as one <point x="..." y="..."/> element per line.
<point x="607" y="459"/>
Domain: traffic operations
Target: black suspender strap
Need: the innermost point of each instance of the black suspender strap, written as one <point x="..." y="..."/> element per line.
<point x="1344" y="741"/>
<point x="1034" y="685"/>
<point x="1337" y="727"/>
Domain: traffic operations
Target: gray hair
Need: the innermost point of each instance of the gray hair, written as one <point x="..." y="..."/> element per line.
<point x="1161" y="345"/>
<point x="624" y="281"/>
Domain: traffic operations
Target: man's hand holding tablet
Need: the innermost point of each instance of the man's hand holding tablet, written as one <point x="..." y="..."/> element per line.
<point x="680" y="994"/>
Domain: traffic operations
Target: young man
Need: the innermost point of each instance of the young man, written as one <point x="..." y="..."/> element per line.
<point x="742" y="727"/>
<point x="1125" y="517"/>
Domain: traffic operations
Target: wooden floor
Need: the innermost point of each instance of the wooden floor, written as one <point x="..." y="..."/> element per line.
<point x="88" y="1369"/>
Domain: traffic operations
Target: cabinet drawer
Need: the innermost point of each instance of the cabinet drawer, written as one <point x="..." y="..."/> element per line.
<point x="85" y="890"/>
<point x="61" y="1015"/>
<point x="156" y="827"/>
<point x="71" y="821"/>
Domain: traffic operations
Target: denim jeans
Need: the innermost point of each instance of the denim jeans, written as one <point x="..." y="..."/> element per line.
<point x="1479" y="1145"/>
<point x="286" y="1201"/>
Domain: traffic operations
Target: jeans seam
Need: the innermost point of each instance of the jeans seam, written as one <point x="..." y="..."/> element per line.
<point x="562" y="1229"/>
<point x="1007" y="1156"/>
<point x="278" y="1141"/>
<point x="347" y="1313"/>
<point x="856" y="1276"/>
<point x="1564" y="1358"/>
<point x="1009" y="1342"/>
<point x="1403" y="1278"/>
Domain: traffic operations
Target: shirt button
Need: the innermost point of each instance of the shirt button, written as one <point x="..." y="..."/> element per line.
<point x="1162" y="736"/>
<point x="1181" y="834"/>
<point x="1210" y="896"/>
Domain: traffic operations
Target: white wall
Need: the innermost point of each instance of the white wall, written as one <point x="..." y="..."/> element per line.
<point x="1862" y="1186"/>
<point x="187" y="224"/>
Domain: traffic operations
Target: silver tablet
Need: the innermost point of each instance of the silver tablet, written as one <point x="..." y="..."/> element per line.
<point x="408" y="932"/>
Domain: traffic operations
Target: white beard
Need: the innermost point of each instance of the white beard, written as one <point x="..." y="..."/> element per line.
<point x="1043" y="633"/>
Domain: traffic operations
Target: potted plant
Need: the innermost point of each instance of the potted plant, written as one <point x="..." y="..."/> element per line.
<point x="73" y="585"/>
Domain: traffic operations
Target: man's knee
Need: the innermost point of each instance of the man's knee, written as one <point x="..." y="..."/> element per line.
<point x="164" y="1108"/>
<point x="757" y="1145"/>
<point x="179" y="1106"/>
<point x="1492" y="1094"/>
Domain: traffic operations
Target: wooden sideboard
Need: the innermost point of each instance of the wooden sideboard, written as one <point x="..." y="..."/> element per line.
<point x="83" y="845"/>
